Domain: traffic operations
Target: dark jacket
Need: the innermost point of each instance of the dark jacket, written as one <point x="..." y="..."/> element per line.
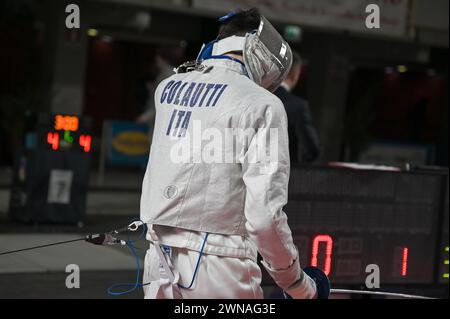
<point x="303" y="137"/>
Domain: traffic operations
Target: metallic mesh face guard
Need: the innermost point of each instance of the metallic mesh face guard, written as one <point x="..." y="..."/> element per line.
<point x="267" y="56"/>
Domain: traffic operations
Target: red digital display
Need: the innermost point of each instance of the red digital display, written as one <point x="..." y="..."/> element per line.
<point x="405" y="261"/>
<point x="344" y="220"/>
<point x="350" y="251"/>
<point x="328" y="241"/>
<point x="85" y="143"/>
<point x="53" y="140"/>
<point x="66" y="123"/>
<point x="67" y="132"/>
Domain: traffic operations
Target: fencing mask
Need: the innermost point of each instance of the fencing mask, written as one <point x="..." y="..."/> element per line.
<point x="267" y="56"/>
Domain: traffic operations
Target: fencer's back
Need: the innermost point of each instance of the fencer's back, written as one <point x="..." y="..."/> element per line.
<point x="194" y="177"/>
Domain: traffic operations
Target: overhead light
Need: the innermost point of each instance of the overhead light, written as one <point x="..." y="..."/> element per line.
<point x="92" y="32"/>
<point x="402" y="69"/>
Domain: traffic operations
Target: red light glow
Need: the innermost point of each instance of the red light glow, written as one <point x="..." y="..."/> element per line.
<point x="328" y="252"/>
<point x="66" y="123"/>
<point x="405" y="261"/>
<point x="53" y="140"/>
<point x="86" y="142"/>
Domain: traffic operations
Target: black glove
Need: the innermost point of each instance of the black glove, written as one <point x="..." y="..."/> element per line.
<point x="323" y="285"/>
<point x="322" y="281"/>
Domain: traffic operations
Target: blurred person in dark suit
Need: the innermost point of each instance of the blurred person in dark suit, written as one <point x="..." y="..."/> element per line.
<point x="304" y="146"/>
<point x="165" y="59"/>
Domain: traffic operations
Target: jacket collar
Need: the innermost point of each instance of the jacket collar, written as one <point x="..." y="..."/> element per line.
<point x="225" y="62"/>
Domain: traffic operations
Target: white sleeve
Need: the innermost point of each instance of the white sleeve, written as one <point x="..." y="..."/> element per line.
<point x="266" y="183"/>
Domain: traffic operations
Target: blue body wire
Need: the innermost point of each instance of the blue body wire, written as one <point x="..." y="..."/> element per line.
<point x="197" y="265"/>
<point x="133" y="286"/>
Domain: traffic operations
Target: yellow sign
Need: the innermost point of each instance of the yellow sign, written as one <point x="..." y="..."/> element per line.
<point x="132" y="143"/>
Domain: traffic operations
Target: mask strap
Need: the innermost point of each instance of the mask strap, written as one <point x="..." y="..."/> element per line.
<point x="227" y="17"/>
<point x="230" y="44"/>
<point x="206" y="51"/>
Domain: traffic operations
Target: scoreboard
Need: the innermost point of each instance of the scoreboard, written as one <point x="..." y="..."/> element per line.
<point x="344" y="220"/>
<point x="51" y="174"/>
<point x="64" y="132"/>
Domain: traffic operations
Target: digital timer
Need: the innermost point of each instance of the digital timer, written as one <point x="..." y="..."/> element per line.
<point x="66" y="123"/>
<point x="65" y="132"/>
<point x="345" y="258"/>
<point x="343" y="220"/>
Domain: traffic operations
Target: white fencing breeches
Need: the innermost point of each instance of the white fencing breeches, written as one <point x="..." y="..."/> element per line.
<point x="217" y="277"/>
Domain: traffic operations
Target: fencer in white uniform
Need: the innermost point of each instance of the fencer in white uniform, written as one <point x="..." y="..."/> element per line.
<point x="210" y="219"/>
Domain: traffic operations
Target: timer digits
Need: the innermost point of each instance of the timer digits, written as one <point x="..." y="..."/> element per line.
<point x="68" y="132"/>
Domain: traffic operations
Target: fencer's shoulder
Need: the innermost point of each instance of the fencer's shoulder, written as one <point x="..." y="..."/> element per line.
<point x="257" y="95"/>
<point x="172" y="77"/>
<point x="163" y="82"/>
<point x="260" y="106"/>
<point x="258" y="98"/>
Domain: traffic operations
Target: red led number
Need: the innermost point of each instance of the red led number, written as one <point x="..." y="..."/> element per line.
<point x="85" y="142"/>
<point x="53" y="140"/>
<point x="328" y="252"/>
<point x="405" y="254"/>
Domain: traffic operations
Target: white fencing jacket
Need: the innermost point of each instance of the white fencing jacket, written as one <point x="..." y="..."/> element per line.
<point x="239" y="202"/>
